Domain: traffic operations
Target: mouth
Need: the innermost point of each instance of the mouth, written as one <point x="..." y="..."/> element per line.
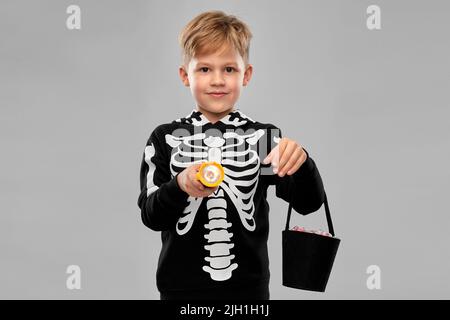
<point x="217" y="94"/>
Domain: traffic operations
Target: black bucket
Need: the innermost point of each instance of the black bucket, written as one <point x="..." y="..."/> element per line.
<point x="308" y="257"/>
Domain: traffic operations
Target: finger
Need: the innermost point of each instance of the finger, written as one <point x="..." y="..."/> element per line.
<point x="291" y="161"/>
<point x="193" y="172"/>
<point x="197" y="193"/>
<point x="209" y="191"/>
<point x="288" y="152"/>
<point x="269" y="157"/>
<point x="197" y="167"/>
<point x="205" y="193"/>
<point x="295" y="162"/>
<point x="195" y="182"/>
<point x="275" y="158"/>
<point x="282" y="146"/>
<point x="297" y="165"/>
<point x="198" y="185"/>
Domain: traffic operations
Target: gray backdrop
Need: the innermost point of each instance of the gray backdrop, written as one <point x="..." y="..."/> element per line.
<point x="77" y="107"/>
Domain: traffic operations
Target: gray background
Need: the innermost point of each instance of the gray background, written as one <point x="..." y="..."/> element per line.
<point x="77" y="108"/>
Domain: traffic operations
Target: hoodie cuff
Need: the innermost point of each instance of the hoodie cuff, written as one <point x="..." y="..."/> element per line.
<point x="174" y="192"/>
<point x="306" y="168"/>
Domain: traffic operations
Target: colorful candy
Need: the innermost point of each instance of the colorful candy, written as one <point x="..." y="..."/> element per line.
<point x="319" y="232"/>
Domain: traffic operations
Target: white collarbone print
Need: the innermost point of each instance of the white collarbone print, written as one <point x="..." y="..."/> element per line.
<point x="241" y="165"/>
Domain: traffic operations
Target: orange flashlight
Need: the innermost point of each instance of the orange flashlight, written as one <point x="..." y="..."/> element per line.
<point x="210" y="174"/>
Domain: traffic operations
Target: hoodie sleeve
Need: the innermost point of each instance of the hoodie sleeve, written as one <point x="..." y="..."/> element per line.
<point x="161" y="200"/>
<point x="304" y="189"/>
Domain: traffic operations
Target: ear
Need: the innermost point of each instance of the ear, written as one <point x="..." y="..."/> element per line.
<point x="183" y="75"/>
<point x="247" y="74"/>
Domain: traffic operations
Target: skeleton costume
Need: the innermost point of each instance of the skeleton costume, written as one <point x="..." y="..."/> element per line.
<point x="218" y="244"/>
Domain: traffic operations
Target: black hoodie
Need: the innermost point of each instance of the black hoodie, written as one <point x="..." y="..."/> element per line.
<point x="217" y="242"/>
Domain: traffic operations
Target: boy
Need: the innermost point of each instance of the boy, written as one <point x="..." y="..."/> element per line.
<point x="214" y="239"/>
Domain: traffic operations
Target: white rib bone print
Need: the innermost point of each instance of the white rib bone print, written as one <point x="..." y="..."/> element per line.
<point x="239" y="184"/>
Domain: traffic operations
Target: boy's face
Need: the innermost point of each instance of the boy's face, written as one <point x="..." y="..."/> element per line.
<point x="217" y="72"/>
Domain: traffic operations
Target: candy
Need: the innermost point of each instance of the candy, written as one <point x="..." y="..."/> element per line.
<point x="210" y="174"/>
<point x="319" y="232"/>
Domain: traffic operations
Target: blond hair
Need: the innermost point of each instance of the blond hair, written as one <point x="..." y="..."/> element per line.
<point x="214" y="30"/>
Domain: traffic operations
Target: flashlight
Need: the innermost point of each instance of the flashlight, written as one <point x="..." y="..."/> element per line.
<point x="210" y="174"/>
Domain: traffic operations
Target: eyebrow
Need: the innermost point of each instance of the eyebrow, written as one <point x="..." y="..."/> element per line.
<point x="226" y="64"/>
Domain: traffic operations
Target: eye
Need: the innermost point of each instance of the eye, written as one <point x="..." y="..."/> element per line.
<point x="203" y="68"/>
<point x="230" y="69"/>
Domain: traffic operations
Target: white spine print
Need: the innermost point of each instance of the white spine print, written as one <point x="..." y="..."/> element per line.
<point x="220" y="267"/>
<point x="219" y="240"/>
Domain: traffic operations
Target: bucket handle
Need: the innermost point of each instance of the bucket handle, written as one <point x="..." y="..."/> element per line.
<point x="327" y="211"/>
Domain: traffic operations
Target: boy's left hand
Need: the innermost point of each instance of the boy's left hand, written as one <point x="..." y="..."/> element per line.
<point x="286" y="158"/>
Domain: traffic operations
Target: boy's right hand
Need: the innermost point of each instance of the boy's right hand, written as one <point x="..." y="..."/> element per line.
<point x="188" y="182"/>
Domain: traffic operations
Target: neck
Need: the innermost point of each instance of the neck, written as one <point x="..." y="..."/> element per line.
<point x="212" y="116"/>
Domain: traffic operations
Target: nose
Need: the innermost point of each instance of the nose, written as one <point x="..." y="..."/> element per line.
<point x="217" y="79"/>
